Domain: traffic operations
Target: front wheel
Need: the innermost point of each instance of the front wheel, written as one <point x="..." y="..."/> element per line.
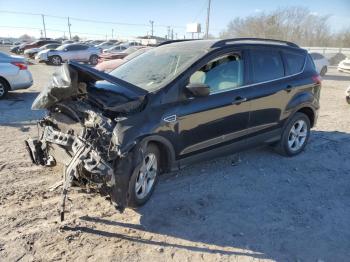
<point x="323" y="71"/>
<point x="143" y="181"/>
<point x="295" y="135"/>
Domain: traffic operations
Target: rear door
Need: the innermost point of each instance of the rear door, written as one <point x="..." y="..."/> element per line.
<point x="270" y="89"/>
<point x="83" y="53"/>
<point x="75" y="52"/>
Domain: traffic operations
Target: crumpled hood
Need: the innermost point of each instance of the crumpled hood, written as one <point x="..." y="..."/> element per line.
<point x="74" y="79"/>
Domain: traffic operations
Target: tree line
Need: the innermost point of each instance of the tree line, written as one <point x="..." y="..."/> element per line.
<point x="295" y="24"/>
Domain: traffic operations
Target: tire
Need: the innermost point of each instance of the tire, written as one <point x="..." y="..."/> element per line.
<point x="286" y="146"/>
<point x="347" y="99"/>
<point x="55" y="60"/>
<point x="4" y="88"/>
<point x="323" y="71"/>
<point x="136" y="198"/>
<point x="93" y="60"/>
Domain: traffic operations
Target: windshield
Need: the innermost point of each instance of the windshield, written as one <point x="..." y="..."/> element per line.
<point x="157" y="67"/>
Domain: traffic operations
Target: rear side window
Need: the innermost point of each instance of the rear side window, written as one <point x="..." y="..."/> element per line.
<point x="294" y="62"/>
<point x="266" y="65"/>
<point x="316" y="56"/>
<point x="77" y="47"/>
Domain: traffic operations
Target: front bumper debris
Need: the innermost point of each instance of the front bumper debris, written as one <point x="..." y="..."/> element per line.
<point x="84" y="163"/>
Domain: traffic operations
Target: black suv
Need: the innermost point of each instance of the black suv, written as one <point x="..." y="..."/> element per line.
<point x="175" y="104"/>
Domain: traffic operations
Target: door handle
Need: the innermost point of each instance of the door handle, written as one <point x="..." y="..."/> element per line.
<point x="288" y="88"/>
<point x="239" y="100"/>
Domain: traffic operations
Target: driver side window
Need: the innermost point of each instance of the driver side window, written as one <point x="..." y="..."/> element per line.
<point x="221" y="74"/>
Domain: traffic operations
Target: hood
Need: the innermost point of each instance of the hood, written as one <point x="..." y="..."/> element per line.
<point x="75" y="79"/>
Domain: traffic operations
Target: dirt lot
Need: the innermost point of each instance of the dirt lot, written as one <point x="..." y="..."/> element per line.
<point x="267" y="207"/>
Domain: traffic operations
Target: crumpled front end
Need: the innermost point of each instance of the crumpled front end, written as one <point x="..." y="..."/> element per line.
<point x="80" y="132"/>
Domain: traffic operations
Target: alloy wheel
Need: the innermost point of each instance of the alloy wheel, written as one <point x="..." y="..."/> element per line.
<point x="94" y="60"/>
<point x="146" y="177"/>
<point x="56" y="60"/>
<point x="297" y="135"/>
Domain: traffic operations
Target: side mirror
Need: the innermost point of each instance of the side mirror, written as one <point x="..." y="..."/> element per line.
<point x="198" y="89"/>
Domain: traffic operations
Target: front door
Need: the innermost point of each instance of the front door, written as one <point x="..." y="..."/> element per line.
<point x="220" y="118"/>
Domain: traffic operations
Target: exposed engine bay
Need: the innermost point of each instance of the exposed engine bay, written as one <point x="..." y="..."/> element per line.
<point x="82" y="131"/>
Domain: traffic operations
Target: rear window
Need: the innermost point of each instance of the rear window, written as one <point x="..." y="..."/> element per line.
<point x="294" y="62"/>
<point x="266" y="65"/>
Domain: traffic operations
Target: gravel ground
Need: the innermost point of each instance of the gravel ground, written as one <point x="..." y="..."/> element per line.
<point x="265" y="208"/>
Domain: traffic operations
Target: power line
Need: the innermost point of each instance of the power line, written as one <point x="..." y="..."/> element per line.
<point x="88" y="20"/>
<point x="48" y="29"/>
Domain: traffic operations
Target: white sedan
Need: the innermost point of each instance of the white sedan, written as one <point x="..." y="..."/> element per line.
<point x="321" y="63"/>
<point x="344" y="66"/>
<point x="14" y="74"/>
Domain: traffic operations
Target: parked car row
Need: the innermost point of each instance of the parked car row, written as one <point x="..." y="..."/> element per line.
<point x="109" y="65"/>
<point x="54" y="52"/>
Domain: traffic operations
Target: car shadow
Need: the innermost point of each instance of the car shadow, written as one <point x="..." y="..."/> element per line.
<point x="342" y="77"/>
<point x="279" y="208"/>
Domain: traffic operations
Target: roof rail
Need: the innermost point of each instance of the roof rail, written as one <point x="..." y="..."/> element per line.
<point x="221" y="43"/>
<point x="176" y="41"/>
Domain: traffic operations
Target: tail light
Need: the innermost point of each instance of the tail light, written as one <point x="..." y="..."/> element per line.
<point x="20" y="65"/>
<point x="317" y="79"/>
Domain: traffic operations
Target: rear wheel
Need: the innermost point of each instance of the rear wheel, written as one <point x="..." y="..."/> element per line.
<point x="323" y="71"/>
<point x="142" y="182"/>
<point x="93" y="60"/>
<point x="295" y="135"/>
<point x="55" y="60"/>
<point x="3" y="88"/>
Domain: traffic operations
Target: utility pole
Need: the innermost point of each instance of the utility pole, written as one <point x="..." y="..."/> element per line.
<point x="172" y="33"/>
<point x="112" y="32"/>
<point x="207" y="24"/>
<point x="168" y="37"/>
<point x="151" y="22"/>
<point x="42" y="16"/>
<point x="69" y="25"/>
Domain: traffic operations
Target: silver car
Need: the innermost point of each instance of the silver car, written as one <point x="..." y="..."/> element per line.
<point x="14" y="74"/>
<point x="76" y="52"/>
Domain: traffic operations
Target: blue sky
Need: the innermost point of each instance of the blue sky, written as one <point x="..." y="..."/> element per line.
<point x="175" y="13"/>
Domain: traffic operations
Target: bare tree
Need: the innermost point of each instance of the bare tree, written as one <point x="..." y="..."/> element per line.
<point x="295" y="24"/>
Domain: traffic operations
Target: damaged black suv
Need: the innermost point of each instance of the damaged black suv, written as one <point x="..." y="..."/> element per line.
<point x="175" y="104"/>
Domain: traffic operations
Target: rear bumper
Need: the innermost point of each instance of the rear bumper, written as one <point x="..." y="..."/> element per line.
<point x="22" y="80"/>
